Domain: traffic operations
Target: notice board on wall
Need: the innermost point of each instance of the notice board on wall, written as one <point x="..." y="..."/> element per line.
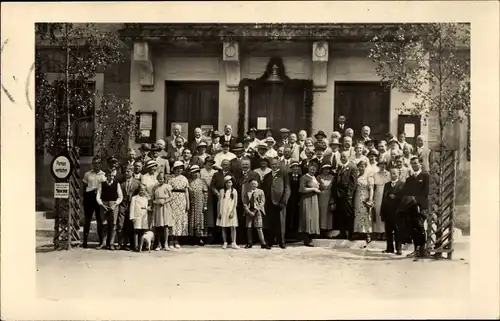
<point x="146" y="127"/>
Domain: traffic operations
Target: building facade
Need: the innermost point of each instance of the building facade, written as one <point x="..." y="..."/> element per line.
<point x="260" y="75"/>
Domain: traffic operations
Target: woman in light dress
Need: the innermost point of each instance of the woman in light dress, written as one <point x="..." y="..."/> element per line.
<point x="179" y="204"/>
<point x="227" y="217"/>
<point x="162" y="213"/>
<point x="363" y="202"/>
<point x="309" y="205"/>
<point x="380" y="178"/>
<point x="372" y="162"/>
<point x="358" y="154"/>
<point x="325" y="180"/>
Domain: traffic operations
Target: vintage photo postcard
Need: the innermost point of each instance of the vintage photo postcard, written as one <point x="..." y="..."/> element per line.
<point x="250" y="160"/>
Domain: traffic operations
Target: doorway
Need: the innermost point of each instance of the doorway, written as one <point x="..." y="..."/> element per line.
<point x="363" y="104"/>
<point x="281" y="104"/>
<point x="194" y="103"/>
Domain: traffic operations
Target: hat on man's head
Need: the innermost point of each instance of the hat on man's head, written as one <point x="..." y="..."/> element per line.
<point x="178" y="164"/>
<point x="112" y="160"/>
<point x="155" y="148"/>
<point x="202" y="144"/>
<point x="294" y="163"/>
<point x="284" y="131"/>
<point x="238" y="147"/>
<point x="372" y="153"/>
<point x="150" y="164"/>
<point x="371" y="141"/>
<point x="226" y="144"/>
<point x="326" y="166"/>
<point x="216" y="133"/>
<point x="319" y="147"/>
<point x="320" y="133"/>
<point x="252" y="130"/>
<point x="145" y="147"/>
<point x="335" y="141"/>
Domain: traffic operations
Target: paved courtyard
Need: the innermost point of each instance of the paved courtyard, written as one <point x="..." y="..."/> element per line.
<point x="197" y="272"/>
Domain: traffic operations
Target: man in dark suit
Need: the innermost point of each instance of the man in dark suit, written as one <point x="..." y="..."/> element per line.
<point x="417" y="188"/>
<point x="341" y="125"/>
<point x="276" y="187"/>
<point x="228" y="137"/>
<point x="343" y="191"/>
<point x="292" y="206"/>
<point x="283" y="141"/>
<point x="124" y="226"/>
<point x="239" y="151"/>
<point x="175" y="153"/>
<point x="198" y="138"/>
<point x="391" y="201"/>
<point x="243" y="175"/>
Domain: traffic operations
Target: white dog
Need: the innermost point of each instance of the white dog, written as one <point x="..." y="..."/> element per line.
<point x="149" y="238"/>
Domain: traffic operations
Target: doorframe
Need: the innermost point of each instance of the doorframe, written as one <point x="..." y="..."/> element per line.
<point x="383" y="84"/>
<point x="188" y="82"/>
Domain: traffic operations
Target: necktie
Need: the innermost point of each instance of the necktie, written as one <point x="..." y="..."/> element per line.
<point x="393" y="184"/>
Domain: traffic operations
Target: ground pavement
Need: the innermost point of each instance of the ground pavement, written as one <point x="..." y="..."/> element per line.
<point x="328" y="270"/>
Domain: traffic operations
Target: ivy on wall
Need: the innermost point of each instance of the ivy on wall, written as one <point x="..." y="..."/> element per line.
<point x="307" y="84"/>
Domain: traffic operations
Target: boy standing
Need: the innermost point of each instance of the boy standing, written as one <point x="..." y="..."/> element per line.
<point x="109" y="197"/>
<point x="125" y="227"/>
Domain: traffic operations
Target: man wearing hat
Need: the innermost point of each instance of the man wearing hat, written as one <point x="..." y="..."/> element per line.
<point x="292" y="207"/>
<point x="252" y="134"/>
<point x="341" y="125"/>
<point x="162" y="164"/>
<point x="239" y="151"/>
<point x="215" y="146"/>
<point x="335" y="155"/>
<point x="228" y="136"/>
<point x="248" y="150"/>
<point x="176" y="133"/>
<point x="320" y="135"/>
<point x="284" y="137"/>
<point x="144" y="149"/>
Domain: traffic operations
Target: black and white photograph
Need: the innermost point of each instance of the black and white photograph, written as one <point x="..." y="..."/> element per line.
<point x="252" y="162"/>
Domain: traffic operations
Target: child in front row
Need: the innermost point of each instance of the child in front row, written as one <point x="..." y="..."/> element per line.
<point x="139" y="206"/>
<point x="162" y="213"/>
<point x="228" y="199"/>
<point x="254" y="206"/>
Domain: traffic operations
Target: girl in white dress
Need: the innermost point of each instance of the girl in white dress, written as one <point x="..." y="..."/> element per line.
<point x="139" y="207"/>
<point x="228" y="199"/>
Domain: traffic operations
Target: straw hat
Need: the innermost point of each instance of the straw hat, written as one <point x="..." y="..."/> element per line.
<point x="178" y="164"/>
<point x="150" y="164"/>
<point x="194" y="169"/>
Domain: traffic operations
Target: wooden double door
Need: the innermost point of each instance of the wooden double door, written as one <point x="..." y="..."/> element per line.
<point x="194" y="103"/>
<point x="363" y="104"/>
<point x="280" y="103"/>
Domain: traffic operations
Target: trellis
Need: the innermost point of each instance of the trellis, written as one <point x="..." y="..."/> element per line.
<point x="440" y="221"/>
<point x="67" y="220"/>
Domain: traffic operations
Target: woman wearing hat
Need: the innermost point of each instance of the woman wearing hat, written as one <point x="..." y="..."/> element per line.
<point x="201" y="151"/>
<point x="271" y="152"/>
<point x="215" y="146"/>
<point x="179" y="204"/>
<point x="380" y="178"/>
<point x="309" y="206"/>
<point x="198" y="199"/>
<point x="149" y="178"/>
<point x="325" y="200"/>
<point x="252" y="138"/>
<point x="189" y="160"/>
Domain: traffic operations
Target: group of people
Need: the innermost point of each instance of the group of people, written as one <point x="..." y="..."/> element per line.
<point x="290" y="188"/>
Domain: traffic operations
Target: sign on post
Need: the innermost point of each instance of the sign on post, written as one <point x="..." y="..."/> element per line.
<point x="61" y="167"/>
<point x="61" y="190"/>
